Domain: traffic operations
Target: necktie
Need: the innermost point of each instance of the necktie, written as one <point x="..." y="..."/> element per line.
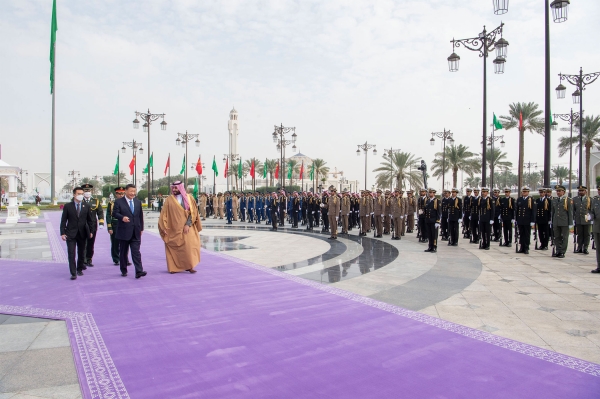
<point x="78" y="205"/>
<point x="131" y="206"/>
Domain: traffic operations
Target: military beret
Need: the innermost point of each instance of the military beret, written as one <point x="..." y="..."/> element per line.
<point x="379" y="191"/>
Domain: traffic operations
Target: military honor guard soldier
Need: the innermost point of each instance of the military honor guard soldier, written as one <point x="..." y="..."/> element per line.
<point x="525" y="212"/>
<point x="582" y="204"/>
<point x="542" y="218"/>
<point x="432" y="215"/>
<point x="454" y="215"/>
<point x="562" y="221"/>
<point x="507" y="217"/>
<point x="487" y="210"/>
<point x="97" y="218"/>
<point x="595" y="216"/>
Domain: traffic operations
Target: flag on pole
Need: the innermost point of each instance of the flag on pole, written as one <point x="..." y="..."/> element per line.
<point x="265" y="169"/>
<point x="168" y="165"/>
<point x="497" y="124"/>
<point x="196" y="189"/>
<point x="53" y="30"/>
<point x="302" y="171"/>
<point x="226" y="167"/>
<point x="132" y="165"/>
<point x="252" y="171"/>
<point x="116" y="171"/>
<point x="199" y="166"/>
<point x="182" y="166"/>
<point x="214" y="167"/>
<point x="240" y="169"/>
<point x="520" y="121"/>
<point x="312" y="171"/>
<point x="277" y="171"/>
<point x="290" y="170"/>
<point x="147" y="169"/>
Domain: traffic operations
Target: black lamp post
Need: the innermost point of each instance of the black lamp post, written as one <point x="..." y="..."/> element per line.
<point x="560" y="10"/>
<point x="484" y="43"/>
<point x="580" y="82"/>
<point x="136" y="146"/>
<point x="148" y="118"/>
<point x="491" y="140"/>
<point x="445" y="135"/>
<point x="366" y="147"/>
<point x="184" y="139"/>
<point x="389" y="153"/>
<point x="570" y="119"/>
<point x="279" y="139"/>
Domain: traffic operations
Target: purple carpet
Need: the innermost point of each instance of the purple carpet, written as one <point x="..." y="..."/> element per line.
<point x="237" y="330"/>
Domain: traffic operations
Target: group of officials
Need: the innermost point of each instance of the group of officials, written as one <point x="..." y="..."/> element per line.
<point x="178" y="226"/>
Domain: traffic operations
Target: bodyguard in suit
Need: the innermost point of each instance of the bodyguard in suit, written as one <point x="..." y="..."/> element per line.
<point x="525" y="212"/>
<point x="76" y="226"/>
<point x="507" y="216"/>
<point x="562" y="220"/>
<point x="454" y="216"/>
<point x="595" y="216"/>
<point x="487" y="210"/>
<point x="581" y="207"/>
<point x="130" y="226"/>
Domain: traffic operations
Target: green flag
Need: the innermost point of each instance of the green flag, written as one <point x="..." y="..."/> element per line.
<point x="290" y="171"/>
<point x="53" y="30"/>
<point x="116" y="171"/>
<point x="145" y="169"/>
<point x="240" y="169"/>
<point x="265" y="169"/>
<point x="497" y="123"/>
<point x="214" y="167"/>
<point x="152" y="160"/>
<point x="196" y="189"/>
<point x="312" y="171"/>
<point x="182" y="166"/>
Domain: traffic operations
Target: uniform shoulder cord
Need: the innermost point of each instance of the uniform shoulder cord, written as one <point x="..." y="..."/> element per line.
<point x="435" y="204"/>
<point x="456" y="203"/>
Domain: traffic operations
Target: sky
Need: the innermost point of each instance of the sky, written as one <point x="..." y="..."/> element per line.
<point x="342" y="72"/>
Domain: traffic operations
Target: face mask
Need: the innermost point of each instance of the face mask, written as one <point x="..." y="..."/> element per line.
<point x="87" y="194"/>
<point x="79" y="197"/>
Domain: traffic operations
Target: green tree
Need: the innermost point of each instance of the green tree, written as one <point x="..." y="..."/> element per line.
<point x="590" y="138"/>
<point x="497" y="160"/>
<point x="531" y="122"/>
<point x="560" y="173"/>
<point x="271" y="165"/>
<point x="401" y="168"/>
<point x="320" y="169"/>
<point x="473" y="181"/>
<point x="458" y="158"/>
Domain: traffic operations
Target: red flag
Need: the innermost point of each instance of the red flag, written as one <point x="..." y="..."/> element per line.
<point x="520" y="121"/>
<point x="302" y="170"/>
<point x="199" y="166"/>
<point x="252" y="169"/>
<point x="132" y="166"/>
<point x="277" y="172"/>
<point x="168" y="164"/>
<point x="226" y="167"/>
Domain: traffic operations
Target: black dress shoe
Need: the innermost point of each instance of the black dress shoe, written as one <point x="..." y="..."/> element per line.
<point x="75" y="277"/>
<point x="428" y="250"/>
<point x="116" y="263"/>
<point x="596" y="270"/>
<point x="526" y="252"/>
<point x="128" y="263"/>
<point x="90" y="264"/>
<point x="331" y="238"/>
<point x="509" y="245"/>
<point x="142" y="274"/>
<point x="434" y="250"/>
<point x="560" y="256"/>
<point x="84" y="268"/>
<point x="455" y="244"/>
<point x="487" y="248"/>
<point x="123" y="274"/>
<point x="585" y="252"/>
<point x="80" y="273"/>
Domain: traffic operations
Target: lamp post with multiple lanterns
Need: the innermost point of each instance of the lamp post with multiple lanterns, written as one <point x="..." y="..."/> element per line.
<point x="183" y="139"/>
<point x="445" y="135"/>
<point x="279" y="139"/>
<point x="366" y="147"/>
<point x="136" y="146"/>
<point x="570" y="119"/>
<point x="148" y="118"/>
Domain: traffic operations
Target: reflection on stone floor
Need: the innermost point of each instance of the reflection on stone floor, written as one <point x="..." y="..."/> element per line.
<point x="24" y="241"/>
<point x="220" y="244"/>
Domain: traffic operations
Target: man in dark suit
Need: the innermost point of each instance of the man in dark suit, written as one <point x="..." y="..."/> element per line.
<point x="76" y="226"/>
<point x="130" y="216"/>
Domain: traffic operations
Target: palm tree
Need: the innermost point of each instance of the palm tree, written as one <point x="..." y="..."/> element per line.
<point x="560" y="173"/>
<point x="531" y="122"/>
<point x="458" y="157"/>
<point x="590" y="138"/>
<point x="257" y="169"/>
<point x="495" y="160"/>
<point x="271" y="165"/>
<point x="320" y="168"/>
<point x="402" y="170"/>
<point x="473" y="181"/>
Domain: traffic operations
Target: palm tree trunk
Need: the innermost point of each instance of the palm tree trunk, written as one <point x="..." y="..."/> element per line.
<point x="454" y="176"/>
<point x="587" y="165"/>
<point x="521" y="156"/>
<point x="317" y="186"/>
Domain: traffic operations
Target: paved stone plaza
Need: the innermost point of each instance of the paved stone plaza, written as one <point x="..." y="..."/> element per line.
<point x="170" y="336"/>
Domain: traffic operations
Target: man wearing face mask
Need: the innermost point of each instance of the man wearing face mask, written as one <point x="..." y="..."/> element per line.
<point x="128" y="211"/>
<point x="75" y="227"/>
<point x="97" y="216"/>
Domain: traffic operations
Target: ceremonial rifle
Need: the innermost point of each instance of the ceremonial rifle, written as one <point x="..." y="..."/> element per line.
<point x="535" y="236"/>
<point x="574" y="238"/>
<point x="517" y="246"/>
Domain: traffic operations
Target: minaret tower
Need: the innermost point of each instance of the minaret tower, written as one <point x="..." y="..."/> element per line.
<point x="233" y="126"/>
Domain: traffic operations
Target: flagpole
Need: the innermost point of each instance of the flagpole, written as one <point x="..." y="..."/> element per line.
<point x="119" y="169"/>
<point x="169" y="179"/>
<point x="152" y="181"/>
<point x="53" y="152"/>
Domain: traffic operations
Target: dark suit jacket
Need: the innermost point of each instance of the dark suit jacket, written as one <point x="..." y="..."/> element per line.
<point x="133" y="229"/>
<point x="71" y="223"/>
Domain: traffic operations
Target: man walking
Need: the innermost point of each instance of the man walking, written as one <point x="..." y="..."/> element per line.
<point x="128" y="211"/>
<point x="97" y="217"/>
<point x="76" y="227"/>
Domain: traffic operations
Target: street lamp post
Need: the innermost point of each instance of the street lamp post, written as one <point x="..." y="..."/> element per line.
<point x="484" y="43"/>
<point x="23" y="187"/>
<point x="570" y="119"/>
<point x="230" y="158"/>
<point x="559" y="14"/>
<point x="279" y="139"/>
<point x="366" y="147"/>
<point x="580" y="81"/>
<point x="445" y="135"/>
<point x="491" y="140"/>
<point x="389" y="153"/>
<point x="528" y="165"/>
<point x="184" y="138"/>
<point x="148" y="118"/>
<point x="136" y="146"/>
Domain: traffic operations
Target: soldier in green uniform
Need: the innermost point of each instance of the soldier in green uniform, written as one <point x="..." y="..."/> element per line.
<point x="595" y="215"/>
<point x="111" y="224"/>
<point x="97" y="217"/>
<point x="581" y="208"/>
<point x="561" y="221"/>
